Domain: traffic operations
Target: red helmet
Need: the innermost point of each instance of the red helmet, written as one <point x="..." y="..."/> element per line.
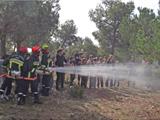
<point x="36" y="49"/>
<point x="23" y="50"/>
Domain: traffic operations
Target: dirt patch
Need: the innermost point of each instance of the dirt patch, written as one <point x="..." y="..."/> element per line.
<point x="97" y="104"/>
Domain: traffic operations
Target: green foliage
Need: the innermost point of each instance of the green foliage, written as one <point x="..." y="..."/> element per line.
<point x="120" y="31"/>
<point x="78" y="47"/>
<point x="128" y="31"/>
<point x="146" y="43"/>
<point x="125" y="34"/>
<point x="101" y="52"/>
<point x="25" y="21"/>
<point x="83" y="45"/>
<point x="89" y="47"/>
<point x="76" y="92"/>
<point x="66" y="34"/>
<point x="53" y="47"/>
<point x="108" y="16"/>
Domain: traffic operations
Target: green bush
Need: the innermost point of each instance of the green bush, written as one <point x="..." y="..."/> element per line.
<point x="76" y="92"/>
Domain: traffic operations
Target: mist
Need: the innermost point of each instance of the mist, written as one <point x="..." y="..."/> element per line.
<point x="142" y="75"/>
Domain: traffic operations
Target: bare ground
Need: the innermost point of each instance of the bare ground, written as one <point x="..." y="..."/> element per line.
<point x="97" y="104"/>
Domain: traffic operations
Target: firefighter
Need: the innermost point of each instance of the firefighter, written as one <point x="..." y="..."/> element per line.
<point x="46" y="62"/>
<point x="59" y="62"/>
<point x="6" y="86"/>
<point x="34" y="66"/>
<point x="29" y="71"/>
<point x="13" y="65"/>
<point x="21" y="82"/>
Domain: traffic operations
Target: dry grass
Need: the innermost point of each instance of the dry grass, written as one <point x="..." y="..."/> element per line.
<point x="98" y="104"/>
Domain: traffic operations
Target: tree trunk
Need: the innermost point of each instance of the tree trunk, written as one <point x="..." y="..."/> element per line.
<point x="113" y="42"/>
<point x="63" y="44"/>
<point x="3" y="46"/>
<point x="18" y="45"/>
<point x="0" y="50"/>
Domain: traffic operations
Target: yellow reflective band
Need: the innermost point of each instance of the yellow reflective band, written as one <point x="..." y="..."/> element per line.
<point x="29" y="74"/>
<point x="15" y="61"/>
<point x="33" y="70"/>
<point x="19" y="62"/>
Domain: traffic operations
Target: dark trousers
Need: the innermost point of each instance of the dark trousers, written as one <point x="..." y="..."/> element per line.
<point x="84" y="80"/>
<point x="60" y="80"/>
<point x="107" y="82"/>
<point x="72" y="77"/>
<point x="46" y="80"/>
<point x="22" y="90"/>
<point x="23" y="86"/>
<point x="113" y="83"/>
<point x="92" y="82"/>
<point x="100" y="82"/>
<point x="7" y="86"/>
<point x="79" y="79"/>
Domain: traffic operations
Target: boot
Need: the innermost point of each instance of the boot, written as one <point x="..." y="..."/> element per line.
<point x="1" y="92"/>
<point x="20" y="99"/>
<point x="6" y="97"/>
<point x="43" y="91"/>
<point x="57" y="88"/>
<point x="47" y="92"/>
<point x="2" y="99"/>
<point x="1" y="95"/>
<point x="36" y="99"/>
<point x="23" y="99"/>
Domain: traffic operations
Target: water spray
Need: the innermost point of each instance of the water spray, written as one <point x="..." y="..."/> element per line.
<point x="139" y="73"/>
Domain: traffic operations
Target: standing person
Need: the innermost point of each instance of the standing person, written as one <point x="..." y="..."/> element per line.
<point x="59" y="62"/>
<point x="77" y="63"/>
<point x="46" y="62"/>
<point x="7" y="82"/>
<point x="21" y="82"/>
<point x="100" y="78"/>
<point x="92" y="79"/>
<point x="29" y="70"/>
<point x="111" y="80"/>
<point x="72" y="76"/>
<point x="13" y="65"/>
<point x="84" y="78"/>
<point x="35" y="64"/>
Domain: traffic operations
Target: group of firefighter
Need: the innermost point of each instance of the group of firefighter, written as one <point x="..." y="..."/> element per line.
<point x="30" y="70"/>
<point x="25" y="69"/>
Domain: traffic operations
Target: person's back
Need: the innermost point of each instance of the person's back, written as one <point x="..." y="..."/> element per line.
<point x="13" y="65"/>
<point x="29" y="72"/>
<point x="45" y="63"/>
<point x="60" y="61"/>
<point x="77" y="59"/>
<point x="16" y="62"/>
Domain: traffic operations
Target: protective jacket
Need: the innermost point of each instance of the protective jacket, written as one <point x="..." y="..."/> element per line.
<point x="46" y="61"/>
<point x="14" y="64"/>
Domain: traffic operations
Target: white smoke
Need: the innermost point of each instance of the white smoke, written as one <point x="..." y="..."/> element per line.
<point x="147" y="75"/>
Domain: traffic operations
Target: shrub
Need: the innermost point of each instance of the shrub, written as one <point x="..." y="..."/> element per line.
<point x="76" y="92"/>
